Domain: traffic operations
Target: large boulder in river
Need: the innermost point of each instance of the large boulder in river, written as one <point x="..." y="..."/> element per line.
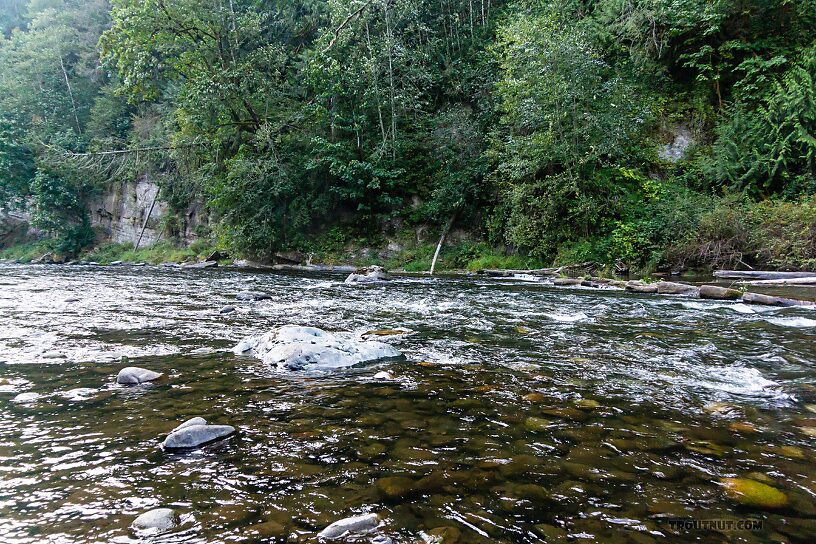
<point x="133" y="375"/>
<point x="309" y="348"/>
<point x="368" y="274"/>
<point x="195" y="432"/>
<point x="716" y="292"/>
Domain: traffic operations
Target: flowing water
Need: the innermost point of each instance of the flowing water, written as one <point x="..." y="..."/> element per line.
<point x="521" y="413"/>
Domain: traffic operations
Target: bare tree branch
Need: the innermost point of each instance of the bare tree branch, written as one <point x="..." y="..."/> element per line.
<point x="346" y="21"/>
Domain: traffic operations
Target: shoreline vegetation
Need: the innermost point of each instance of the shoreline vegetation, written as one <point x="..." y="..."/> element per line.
<point x="750" y="287"/>
<point x="647" y="136"/>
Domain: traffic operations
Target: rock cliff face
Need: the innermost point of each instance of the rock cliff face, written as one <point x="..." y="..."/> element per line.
<point x="125" y="209"/>
<point x="15" y="228"/>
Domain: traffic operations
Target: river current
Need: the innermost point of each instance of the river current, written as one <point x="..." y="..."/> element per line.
<point x="521" y="413"/>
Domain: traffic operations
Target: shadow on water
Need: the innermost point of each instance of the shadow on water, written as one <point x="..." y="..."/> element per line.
<point x="520" y="414"/>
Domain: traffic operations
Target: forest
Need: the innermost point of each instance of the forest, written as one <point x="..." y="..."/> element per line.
<point x="640" y="133"/>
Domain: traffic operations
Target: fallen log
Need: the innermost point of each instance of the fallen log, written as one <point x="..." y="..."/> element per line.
<point x="769" y="300"/>
<point x="761" y="274"/>
<point x="788" y="281"/>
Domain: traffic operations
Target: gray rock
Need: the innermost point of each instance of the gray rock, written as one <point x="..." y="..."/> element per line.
<point x="47" y="258"/>
<point x="355" y="524"/>
<point x="202" y="264"/>
<point x="716" y="292"/>
<point x="252" y="296"/>
<point x="676" y="150"/>
<point x="133" y="375"/>
<point x="381" y="539"/>
<point x="300" y="348"/>
<point x="640" y="287"/>
<point x="226" y="310"/>
<point x="292" y="257"/>
<point x="193" y="436"/>
<point x="674" y="288"/>
<point x="767" y="300"/>
<point x="563" y="282"/>
<point x="190" y="422"/>
<point x="53" y="355"/>
<point x="369" y="274"/>
<point x="23" y="398"/>
<point x="158" y="519"/>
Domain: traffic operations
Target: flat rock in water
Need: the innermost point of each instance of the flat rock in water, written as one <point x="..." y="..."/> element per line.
<point x="26" y="397"/>
<point x="302" y="348"/>
<point x="202" y="264"/>
<point x="354" y="524"/>
<point x="564" y="282"/>
<point x="133" y="375"/>
<point x="252" y="296"/>
<point x="158" y="519"/>
<point x="226" y="310"/>
<point x="716" y="292"/>
<point x="640" y="287"/>
<point x="193" y="436"/>
<point x="674" y="288"/>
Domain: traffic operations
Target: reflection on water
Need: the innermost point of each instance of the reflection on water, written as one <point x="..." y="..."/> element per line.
<point x="522" y="413"/>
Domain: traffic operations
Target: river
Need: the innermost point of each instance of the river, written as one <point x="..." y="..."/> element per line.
<point x="521" y="413"/>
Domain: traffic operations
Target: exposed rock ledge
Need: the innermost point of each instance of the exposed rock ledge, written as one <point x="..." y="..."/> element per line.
<point x="309" y="348"/>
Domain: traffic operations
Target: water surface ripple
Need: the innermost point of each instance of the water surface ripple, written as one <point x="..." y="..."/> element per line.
<point x="522" y="412"/>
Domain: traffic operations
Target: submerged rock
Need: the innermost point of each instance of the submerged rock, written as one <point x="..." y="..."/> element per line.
<point x="299" y="348"/>
<point x="446" y="535"/>
<point x="716" y="292"/>
<point x="226" y="310"/>
<point x="195" y="432"/>
<point x="369" y="274"/>
<point x="752" y="493"/>
<point x="158" y="519"/>
<point x="355" y="524"/>
<point x="133" y="375"/>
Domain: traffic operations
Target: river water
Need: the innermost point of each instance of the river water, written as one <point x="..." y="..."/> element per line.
<point x="522" y="412"/>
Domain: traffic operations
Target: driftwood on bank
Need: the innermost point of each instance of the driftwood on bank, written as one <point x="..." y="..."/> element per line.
<point x="504" y="273"/>
<point x="800" y="282"/>
<point x="442" y="241"/>
<point x="761" y="274"/>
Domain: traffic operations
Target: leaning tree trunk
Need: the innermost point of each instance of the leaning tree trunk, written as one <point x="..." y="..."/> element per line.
<point x="442" y="241"/>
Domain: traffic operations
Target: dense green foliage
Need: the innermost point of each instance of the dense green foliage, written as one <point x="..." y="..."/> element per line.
<point x="541" y="126"/>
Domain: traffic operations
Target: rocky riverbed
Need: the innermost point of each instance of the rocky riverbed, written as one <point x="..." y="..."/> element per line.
<point x="518" y="413"/>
